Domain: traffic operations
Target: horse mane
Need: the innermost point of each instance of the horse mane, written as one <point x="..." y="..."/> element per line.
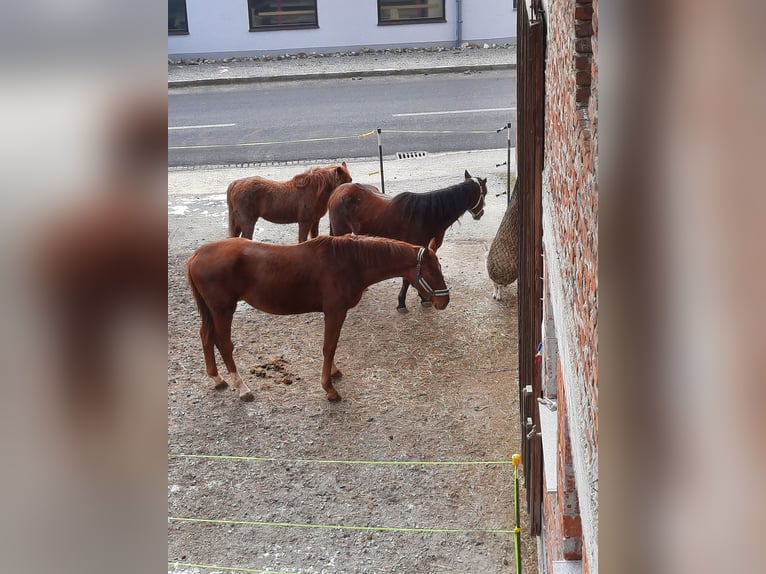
<point x="364" y="249"/>
<point x="318" y="179"/>
<point x="441" y="207"/>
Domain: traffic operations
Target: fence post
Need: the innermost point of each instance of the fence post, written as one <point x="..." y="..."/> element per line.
<point x="508" y="167"/>
<point x="380" y="155"/>
<point x="516" y="459"/>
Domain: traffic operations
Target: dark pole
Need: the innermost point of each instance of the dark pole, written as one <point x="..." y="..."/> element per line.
<point x="517" y="530"/>
<point x="508" y="166"/>
<point x="380" y="155"/>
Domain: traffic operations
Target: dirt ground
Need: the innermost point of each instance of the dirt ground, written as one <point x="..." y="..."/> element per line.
<point x="346" y="487"/>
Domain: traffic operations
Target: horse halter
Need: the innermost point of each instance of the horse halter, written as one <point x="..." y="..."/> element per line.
<point x="424" y="284"/>
<point x="476" y="214"/>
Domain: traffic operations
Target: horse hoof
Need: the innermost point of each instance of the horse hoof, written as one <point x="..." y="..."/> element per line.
<point x="333" y="397"/>
<point x="248" y="397"/>
<point x="220" y="386"/>
<point x="425" y="304"/>
<point x="402" y="310"/>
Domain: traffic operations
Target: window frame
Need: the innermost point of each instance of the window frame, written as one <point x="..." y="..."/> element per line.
<point x="382" y="22"/>
<point x="184" y="32"/>
<point x="262" y="28"/>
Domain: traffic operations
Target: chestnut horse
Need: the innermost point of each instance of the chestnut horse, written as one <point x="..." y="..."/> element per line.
<point x="327" y="274"/>
<point x="418" y="218"/>
<point x="301" y="200"/>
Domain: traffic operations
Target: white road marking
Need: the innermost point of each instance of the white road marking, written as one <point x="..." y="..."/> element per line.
<point x="201" y="127"/>
<point x="453" y="112"/>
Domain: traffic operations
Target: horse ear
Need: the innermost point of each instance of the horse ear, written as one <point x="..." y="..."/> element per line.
<point x="343" y="164"/>
<point x="467" y="175"/>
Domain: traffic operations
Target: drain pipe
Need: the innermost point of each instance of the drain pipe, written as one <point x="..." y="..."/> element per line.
<point x="459" y="22"/>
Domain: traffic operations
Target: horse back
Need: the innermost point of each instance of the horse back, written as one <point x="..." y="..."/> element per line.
<point x="360" y="208"/>
<point x="276" y="279"/>
<point x="276" y="201"/>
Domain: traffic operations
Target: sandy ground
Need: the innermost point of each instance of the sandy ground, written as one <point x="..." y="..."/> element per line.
<point x="349" y="486"/>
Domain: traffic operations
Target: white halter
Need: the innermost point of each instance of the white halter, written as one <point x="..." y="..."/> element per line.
<point x="423" y="283"/>
<point x="478" y="201"/>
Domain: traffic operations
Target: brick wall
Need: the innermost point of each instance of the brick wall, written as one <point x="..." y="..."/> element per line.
<point x="570" y="216"/>
<point x="561" y="508"/>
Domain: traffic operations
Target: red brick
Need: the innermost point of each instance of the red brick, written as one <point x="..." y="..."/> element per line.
<point x="583" y="45"/>
<point x="583" y="29"/>
<point x="571" y="526"/>
<point x="582" y="78"/>
<point x="583" y="11"/>
<point x="582" y="62"/>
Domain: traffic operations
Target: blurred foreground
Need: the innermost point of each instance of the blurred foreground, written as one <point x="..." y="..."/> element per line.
<point x="83" y="408"/>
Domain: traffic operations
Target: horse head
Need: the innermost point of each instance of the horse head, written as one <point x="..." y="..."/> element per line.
<point x="429" y="280"/>
<point x="478" y="208"/>
<point x="342" y="175"/>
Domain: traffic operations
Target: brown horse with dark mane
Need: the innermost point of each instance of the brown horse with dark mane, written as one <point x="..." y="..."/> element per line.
<point x="301" y="200"/>
<point x="418" y="218"/>
<point x="326" y="274"/>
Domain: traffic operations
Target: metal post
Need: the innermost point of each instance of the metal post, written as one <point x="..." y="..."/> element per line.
<point x="516" y="458"/>
<point x="508" y="167"/>
<point x="459" y="24"/>
<point x="380" y="155"/>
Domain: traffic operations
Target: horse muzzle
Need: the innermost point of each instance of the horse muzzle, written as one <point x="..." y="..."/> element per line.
<point x="440" y="302"/>
<point x="477" y="216"/>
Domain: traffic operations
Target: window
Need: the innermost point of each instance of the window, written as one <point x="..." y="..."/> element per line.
<point x="177" y="21"/>
<point x="280" y="14"/>
<point x="410" y="11"/>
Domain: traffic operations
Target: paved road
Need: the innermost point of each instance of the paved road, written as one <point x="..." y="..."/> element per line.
<point x="220" y="119"/>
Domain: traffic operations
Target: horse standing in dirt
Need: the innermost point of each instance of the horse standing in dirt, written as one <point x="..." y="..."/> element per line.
<point x="326" y="274"/>
<point x="418" y="218"/>
<point x="301" y="200"/>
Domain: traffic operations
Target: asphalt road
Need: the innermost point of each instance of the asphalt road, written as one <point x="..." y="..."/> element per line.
<point x="325" y="119"/>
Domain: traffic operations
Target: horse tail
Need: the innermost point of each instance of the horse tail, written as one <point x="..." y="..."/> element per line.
<point x="208" y="326"/>
<point x="235" y="229"/>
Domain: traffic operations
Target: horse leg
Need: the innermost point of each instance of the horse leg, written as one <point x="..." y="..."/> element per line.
<point x="248" y="227"/>
<point x="314" y="229"/>
<point x="209" y="351"/>
<point x="234" y="228"/>
<point x="303" y="230"/>
<point x="436" y="241"/>
<point x="333" y="322"/>
<point x="402" y="306"/>
<point x="226" y="348"/>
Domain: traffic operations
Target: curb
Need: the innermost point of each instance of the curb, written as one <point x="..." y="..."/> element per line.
<point x="329" y="75"/>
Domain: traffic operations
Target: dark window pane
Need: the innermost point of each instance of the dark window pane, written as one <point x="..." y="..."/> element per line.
<point x="410" y="10"/>
<point x="282" y="13"/>
<point x="177" y="22"/>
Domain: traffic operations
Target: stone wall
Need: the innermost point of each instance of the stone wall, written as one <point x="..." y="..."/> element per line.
<point x="570" y="238"/>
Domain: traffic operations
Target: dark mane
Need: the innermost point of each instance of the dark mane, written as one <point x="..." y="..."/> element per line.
<point x="439" y="207"/>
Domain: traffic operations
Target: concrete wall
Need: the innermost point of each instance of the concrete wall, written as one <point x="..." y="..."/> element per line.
<point x="221" y="29"/>
<point x="570" y="239"/>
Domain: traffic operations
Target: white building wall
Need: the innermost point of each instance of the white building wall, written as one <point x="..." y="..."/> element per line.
<point x="220" y="28"/>
<point x="487" y="20"/>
